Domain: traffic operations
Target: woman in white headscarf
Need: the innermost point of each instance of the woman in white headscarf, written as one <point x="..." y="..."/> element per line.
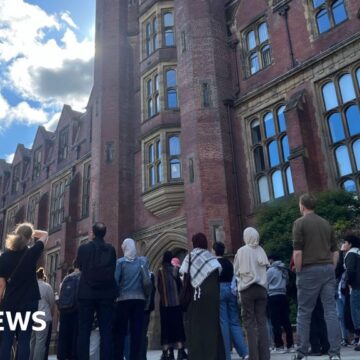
<point x="130" y="302"/>
<point x="250" y="269"/>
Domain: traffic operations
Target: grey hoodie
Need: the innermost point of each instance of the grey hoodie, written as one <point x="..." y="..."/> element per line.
<point x="277" y="277"/>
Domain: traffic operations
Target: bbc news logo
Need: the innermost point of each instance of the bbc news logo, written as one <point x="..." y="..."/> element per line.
<point x="22" y="320"/>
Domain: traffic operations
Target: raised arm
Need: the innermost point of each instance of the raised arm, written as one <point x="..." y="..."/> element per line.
<point x="41" y="235"/>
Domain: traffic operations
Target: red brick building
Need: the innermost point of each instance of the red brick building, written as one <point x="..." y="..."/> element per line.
<point x="201" y="111"/>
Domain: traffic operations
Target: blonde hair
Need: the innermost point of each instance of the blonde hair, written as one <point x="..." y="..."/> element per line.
<point x="20" y="237"/>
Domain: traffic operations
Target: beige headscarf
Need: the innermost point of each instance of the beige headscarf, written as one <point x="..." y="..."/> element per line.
<point x="129" y="249"/>
<point x="251" y="261"/>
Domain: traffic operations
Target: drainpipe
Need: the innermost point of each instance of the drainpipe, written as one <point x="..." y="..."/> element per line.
<point x="283" y="11"/>
<point x="229" y="103"/>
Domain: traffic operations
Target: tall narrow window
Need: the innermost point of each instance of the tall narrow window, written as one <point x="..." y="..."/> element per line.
<point x="174" y="158"/>
<point x="52" y="264"/>
<point x="57" y="208"/>
<point x="85" y="208"/>
<point x="171" y="89"/>
<point x="169" y="37"/>
<point x="152" y="95"/>
<point x="37" y="163"/>
<point x="258" y="47"/>
<point x="63" y="144"/>
<point x="154" y="163"/>
<point x="341" y="100"/>
<point x="15" y="184"/>
<point x="271" y="154"/>
<point x="31" y="208"/>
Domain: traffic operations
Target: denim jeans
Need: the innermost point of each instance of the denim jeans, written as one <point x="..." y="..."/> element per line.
<point x="340" y="310"/>
<point x="104" y="311"/>
<point x="230" y="322"/>
<point x="38" y="343"/>
<point x="355" y="309"/>
<point x="314" y="281"/>
<point x="23" y="337"/>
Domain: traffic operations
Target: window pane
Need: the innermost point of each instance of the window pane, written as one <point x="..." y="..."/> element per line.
<point x="155" y="24"/>
<point x="159" y="173"/>
<point x="151" y="176"/>
<point x="329" y="96"/>
<point x="338" y="10"/>
<point x="278" y="184"/>
<point x="175" y="172"/>
<point x="336" y="127"/>
<point x="148" y="30"/>
<point x="343" y="160"/>
<point x="174" y="146"/>
<point x="157" y="104"/>
<point x="156" y="41"/>
<point x="358" y="76"/>
<point x="255" y="132"/>
<point x="149" y="87"/>
<point x="151" y="153"/>
<point x="150" y="108"/>
<point x="156" y="81"/>
<point x="317" y="3"/>
<point x="356" y="151"/>
<point x="273" y="154"/>
<point x="251" y="42"/>
<point x="281" y="119"/>
<point x="349" y="185"/>
<point x="259" y="159"/>
<point x="353" y="119"/>
<point x="171" y="99"/>
<point x="168" y="19"/>
<point x="170" y="78"/>
<point x="158" y="150"/>
<point x="254" y="64"/>
<point x="289" y="180"/>
<point x="263" y="189"/>
<point x="323" y="22"/>
<point x="285" y="148"/>
<point x="263" y="33"/>
<point x="347" y="88"/>
<point x="266" y="55"/>
<point x="169" y="37"/>
<point x="269" y="125"/>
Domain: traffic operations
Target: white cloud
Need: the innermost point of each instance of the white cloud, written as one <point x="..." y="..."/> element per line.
<point x="65" y="16"/>
<point x="41" y="59"/>
<point x="9" y="158"/>
<point x="52" y="123"/>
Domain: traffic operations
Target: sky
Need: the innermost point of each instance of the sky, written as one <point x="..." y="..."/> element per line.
<point x="46" y="61"/>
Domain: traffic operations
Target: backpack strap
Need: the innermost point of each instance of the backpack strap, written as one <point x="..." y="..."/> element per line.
<point x="10" y="278"/>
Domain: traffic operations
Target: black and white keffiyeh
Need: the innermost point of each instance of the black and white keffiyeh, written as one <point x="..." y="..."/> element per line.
<point x="203" y="263"/>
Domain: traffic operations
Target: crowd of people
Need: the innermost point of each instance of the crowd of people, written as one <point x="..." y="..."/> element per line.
<point x="104" y="303"/>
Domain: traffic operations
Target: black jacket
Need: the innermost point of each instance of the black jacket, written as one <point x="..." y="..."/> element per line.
<point x="84" y="258"/>
<point x="352" y="264"/>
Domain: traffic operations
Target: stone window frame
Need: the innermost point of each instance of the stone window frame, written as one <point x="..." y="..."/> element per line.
<point x="16" y="178"/>
<point x="63" y="152"/>
<point x="57" y="204"/>
<point x="37" y="162"/>
<point x="153" y="38"/>
<point x="162" y="161"/>
<point x="325" y="6"/>
<point x="11" y="219"/>
<point x="33" y="201"/>
<point x="158" y="96"/>
<point x="267" y="171"/>
<point x="86" y="188"/>
<point x="349" y="139"/>
<point x="52" y="266"/>
<point x="258" y="50"/>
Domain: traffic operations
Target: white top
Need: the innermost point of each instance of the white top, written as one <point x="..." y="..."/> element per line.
<point x="47" y="301"/>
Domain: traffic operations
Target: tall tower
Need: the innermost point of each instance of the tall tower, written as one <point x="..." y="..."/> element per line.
<point x="204" y="76"/>
<point x="112" y="129"/>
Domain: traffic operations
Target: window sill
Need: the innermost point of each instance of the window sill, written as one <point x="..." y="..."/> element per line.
<point x="54" y="229"/>
<point x="164" y="199"/>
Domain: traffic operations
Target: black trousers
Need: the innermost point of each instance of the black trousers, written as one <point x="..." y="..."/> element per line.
<point x="129" y="315"/>
<point x="318" y="332"/>
<point x="279" y="315"/>
<point x="68" y="334"/>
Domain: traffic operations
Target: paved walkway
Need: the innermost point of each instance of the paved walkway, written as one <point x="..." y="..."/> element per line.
<point x="347" y="353"/>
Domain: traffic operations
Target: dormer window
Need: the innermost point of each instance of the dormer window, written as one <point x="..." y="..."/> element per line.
<point x="15" y="184"/>
<point x="37" y="164"/>
<point x="64" y="144"/>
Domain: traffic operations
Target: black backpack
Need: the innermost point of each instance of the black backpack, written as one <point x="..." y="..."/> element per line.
<point x="67" y="302"/>
<point x="100" y="273"/>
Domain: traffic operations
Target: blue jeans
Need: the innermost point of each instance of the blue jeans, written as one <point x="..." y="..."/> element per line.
<point x="340" y="310"/>
<point x="23" y="337"/>
<point x="314" y="281"/>
<point x="230" y="323"/>
<point x="355" y="309"/>
<point x="104" y="312"/>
